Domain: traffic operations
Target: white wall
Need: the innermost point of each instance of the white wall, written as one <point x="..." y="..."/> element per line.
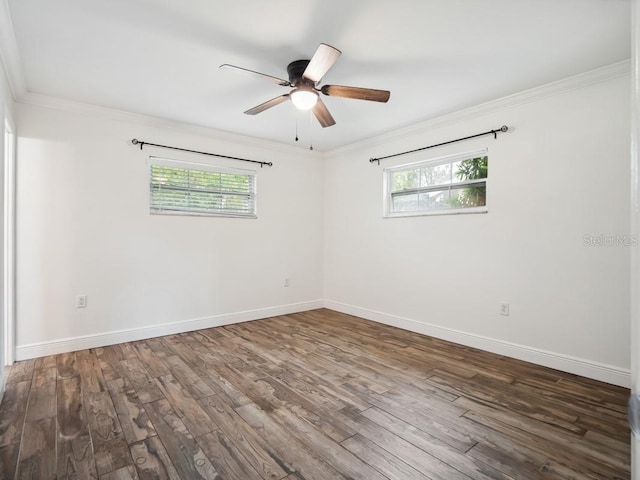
<point x="561" y="173"/>
<point x="84" y="228"/>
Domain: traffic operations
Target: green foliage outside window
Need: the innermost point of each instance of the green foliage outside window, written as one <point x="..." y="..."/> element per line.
<point x="472" y="196"/>
<point x="456" y="184"/>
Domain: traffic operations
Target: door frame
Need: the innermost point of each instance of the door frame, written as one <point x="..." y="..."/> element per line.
<point x="635" y="223"/>
<point x="9" y="236"/>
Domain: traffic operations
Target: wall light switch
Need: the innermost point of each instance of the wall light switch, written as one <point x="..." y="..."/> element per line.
<point x="504" y="309"/>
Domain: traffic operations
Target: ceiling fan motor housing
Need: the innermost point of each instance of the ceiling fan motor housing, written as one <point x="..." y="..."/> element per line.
<point x="295" y="70"/>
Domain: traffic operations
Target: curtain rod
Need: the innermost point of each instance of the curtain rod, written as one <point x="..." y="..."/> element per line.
<point x="502" y="129"/>
<point x="135" y="141"/>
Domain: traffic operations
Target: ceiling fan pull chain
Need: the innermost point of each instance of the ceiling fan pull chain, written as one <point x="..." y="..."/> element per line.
<point x="310" y="132"/>
<point x="296" y="127"/>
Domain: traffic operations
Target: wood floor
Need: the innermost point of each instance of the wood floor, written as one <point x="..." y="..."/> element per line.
<point x="316" y="395"/>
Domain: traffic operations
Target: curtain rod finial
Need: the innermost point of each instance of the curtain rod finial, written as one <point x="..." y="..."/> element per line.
<point x="504" y="128"/>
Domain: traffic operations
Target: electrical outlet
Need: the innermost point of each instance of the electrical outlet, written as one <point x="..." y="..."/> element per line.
<point x="81" y="301"/>
<point x="504" y="309"/>
<point x="286" y="282"/>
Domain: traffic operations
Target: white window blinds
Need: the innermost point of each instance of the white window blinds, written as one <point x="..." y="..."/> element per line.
<point x="180" y="188"/>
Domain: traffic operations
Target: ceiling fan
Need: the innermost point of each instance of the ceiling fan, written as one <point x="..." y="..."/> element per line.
<point x="304" y="77"/>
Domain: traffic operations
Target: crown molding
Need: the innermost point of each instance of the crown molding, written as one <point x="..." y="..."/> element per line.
<point x="56" y="103"/>
<point x="576" y="82"/>
<point x="10" y="59"/>
<point x="9" y="55"/>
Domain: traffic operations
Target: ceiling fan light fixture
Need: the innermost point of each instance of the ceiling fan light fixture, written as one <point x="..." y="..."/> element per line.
<point x="303" y="98"/>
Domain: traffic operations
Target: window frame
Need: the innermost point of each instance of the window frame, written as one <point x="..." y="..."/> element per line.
<point x="180" y="164"/>
<point x="447" y="159"/>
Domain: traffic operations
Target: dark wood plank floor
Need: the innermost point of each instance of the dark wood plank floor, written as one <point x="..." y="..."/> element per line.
<point x="316" y="395"/>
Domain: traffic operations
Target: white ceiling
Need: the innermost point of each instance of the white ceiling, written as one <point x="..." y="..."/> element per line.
<point x="161" y="57"/>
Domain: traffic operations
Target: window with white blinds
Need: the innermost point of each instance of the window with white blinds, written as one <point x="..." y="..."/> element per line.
<point x="180" y="188"/>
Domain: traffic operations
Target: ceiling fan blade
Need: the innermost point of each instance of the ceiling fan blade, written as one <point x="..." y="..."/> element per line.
<point x="322" y="114"/>
<point x="321" y="62"/>
<point x="268" y="104"/>
<point x="356" y="92"/>
<point x="279" y="81"/>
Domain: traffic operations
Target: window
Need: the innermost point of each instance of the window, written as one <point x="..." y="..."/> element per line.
<point x="453" y="184"/>
<point x="180" y="188"/>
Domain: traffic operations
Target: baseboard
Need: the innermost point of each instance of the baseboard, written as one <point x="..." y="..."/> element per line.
<point x="35" y="350"/>
<point x="578" y="366"/>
